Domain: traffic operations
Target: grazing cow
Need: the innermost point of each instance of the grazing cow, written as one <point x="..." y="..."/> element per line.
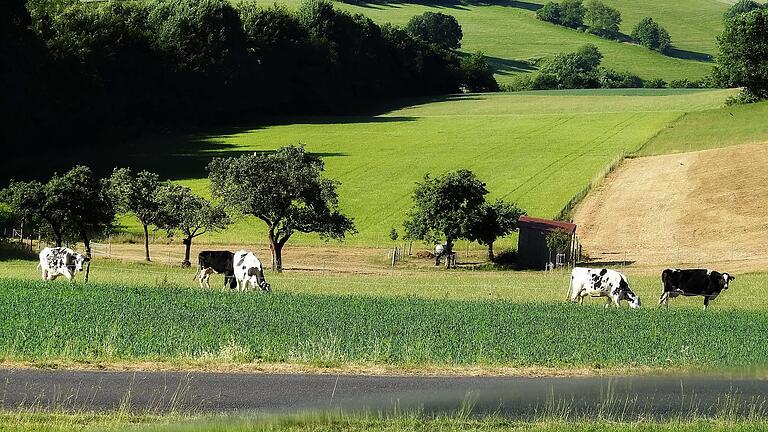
<point x="216" y="262"/>
<point x="60" y="261"/>
<point x="442" y="253"/>
<point x="601" y="283"/>
<point x="693" y="282"/>
<point x="248" y="269"/>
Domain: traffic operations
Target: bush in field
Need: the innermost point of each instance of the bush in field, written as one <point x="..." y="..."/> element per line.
<point x="571" y="70"/>
<point x="651" y="35"/>
<point x="568" y="13"/>
<point x="686" y="83"/>
<point x="478" y="74"/>
<point x="609" y="78"/>
<point x="743" y="57"/>
<point x="445" y="207"/>
<point x="558" y="241"/>
<point x="435" y="27"/>
<point x="601" y="19"/>
<point x="655" y="83"/>
<point x="286" y="191"/>
<point x="741" y="7"/>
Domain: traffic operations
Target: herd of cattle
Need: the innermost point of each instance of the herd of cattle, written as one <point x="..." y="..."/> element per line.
<point x="675" y="282"/>
<point x="243" y="268"/>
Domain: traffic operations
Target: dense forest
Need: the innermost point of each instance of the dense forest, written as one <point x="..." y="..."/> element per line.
<point x="74" y="70"/>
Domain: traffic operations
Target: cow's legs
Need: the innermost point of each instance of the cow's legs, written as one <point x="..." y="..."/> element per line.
<point x="664" y="299"/>
<point x="706" y="302"/>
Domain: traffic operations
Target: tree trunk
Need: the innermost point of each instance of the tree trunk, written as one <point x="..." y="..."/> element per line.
<point x="278" y="252"/>
<point x="490" y="252"/>
<point x="449" y="252"/>
<point x="187" y="247"/>
<point x="146" y="243"/>
<point x="87" y="244"/>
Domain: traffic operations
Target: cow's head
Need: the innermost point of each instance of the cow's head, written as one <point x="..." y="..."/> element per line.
<point x="632" y="298"/>
<point x="257" y="274"/>
<point x="80" y="259"/>
<point x="725" y="279"/>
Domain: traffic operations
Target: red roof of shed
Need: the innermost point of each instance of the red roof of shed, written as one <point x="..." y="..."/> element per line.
<point x="546" y="224"/>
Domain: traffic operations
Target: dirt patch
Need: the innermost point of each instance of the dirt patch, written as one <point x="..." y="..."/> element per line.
<point x="701" y="209"/>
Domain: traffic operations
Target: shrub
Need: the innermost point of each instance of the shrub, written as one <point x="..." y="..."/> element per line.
<point x="550" y="12"/>
<point x="601" y="19"/>
<point x="610" y="78"/>
<point x="437" y="28"/>
<point x="655" y="83"/>
<point x="477" y="74"/>
<point x="569" y="13"/>
<point x="686" y="83"/>
<point x="571" y="70"/>
<point x="741" y="7"/>
<point x="742" y="61"/>
<point x="651" y="35"/>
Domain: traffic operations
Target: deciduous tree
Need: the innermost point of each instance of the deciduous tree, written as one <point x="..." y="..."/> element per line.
<point x="743" y="57"/>
<point x="492" y="221"/>
<point x="437" y="28"/>
<point x="651" y="35"/>
<point x="138" y="195"/>
<point x="284" y="189"/>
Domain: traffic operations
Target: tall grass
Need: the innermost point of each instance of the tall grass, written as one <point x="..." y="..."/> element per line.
<point x="41" y="321"/>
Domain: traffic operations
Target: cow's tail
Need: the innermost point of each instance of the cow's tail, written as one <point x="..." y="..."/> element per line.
<point x="199" y="268"/>
<point x="570" y="289"/>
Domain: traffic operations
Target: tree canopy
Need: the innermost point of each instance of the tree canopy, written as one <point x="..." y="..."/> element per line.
<point x="286" y="190"/>
<point x="571" y="70"/>
<point x="138" y="195"/>
<point x="437" y="28"/>
<point x="492" y="221"/>
<point x="741" y="7"/>
<point x="601" y="19"/>
<point x="650" y="34"/>
<point x="568" y="13"/>
<point x="743" y="57"/>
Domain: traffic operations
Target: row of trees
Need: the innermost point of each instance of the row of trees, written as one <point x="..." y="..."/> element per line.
<point x="453" y="206"/>
<point x="124" y="66"/>
<point x="600" y="19"/>
<point x="284" y="189"/>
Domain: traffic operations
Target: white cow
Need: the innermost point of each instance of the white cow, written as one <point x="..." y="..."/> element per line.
<point x="59" y="261"/>
<point x="601" y="283"/>
<point x="248" y="269"/>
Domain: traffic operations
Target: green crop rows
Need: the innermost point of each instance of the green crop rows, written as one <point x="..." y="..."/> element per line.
<point x="109" y="322"/>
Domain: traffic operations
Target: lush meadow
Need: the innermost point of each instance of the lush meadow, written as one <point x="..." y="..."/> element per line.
<point x="511" y="36"/>
<point x="119" y="322"/>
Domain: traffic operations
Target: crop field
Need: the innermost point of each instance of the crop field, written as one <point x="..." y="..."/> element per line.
<point x="510" y="35"/>
<point x="537" y="148"/>
<point x="102" y="322"/>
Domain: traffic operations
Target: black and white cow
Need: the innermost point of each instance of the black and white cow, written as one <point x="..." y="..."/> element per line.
<point x="693" y="282"/>
<point x="60" y="261"/>
<point x="601" y="283"/>
<point x="248" y="269"/>
<point x="210" y="262"/>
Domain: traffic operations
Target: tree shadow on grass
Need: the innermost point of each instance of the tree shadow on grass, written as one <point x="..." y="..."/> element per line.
<point x="502" y="66"/>
<point x="689" y="55"/>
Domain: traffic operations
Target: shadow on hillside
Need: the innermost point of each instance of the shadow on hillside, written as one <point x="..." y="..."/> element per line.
<point x="452" y="4"/>
<point x="177" y="154"/>
<point x="504" y="66"/>
<point x="689" y="55"/>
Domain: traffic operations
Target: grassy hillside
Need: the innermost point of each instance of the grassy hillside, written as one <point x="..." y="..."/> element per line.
<point x="507" y="31"/>
<point x="733" y="125"/>
<point x="537" y="148"/>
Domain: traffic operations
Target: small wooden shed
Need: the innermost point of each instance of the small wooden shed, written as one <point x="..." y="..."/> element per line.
<point x="532" y="251"/>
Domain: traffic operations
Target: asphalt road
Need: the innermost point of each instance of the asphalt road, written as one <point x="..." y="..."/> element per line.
<point x="517" y="397"/>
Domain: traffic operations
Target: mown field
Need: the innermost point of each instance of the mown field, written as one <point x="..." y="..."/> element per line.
<point x="134" y="322"/>
<point x="537" y="148"/>
<point x="509" y="34"/>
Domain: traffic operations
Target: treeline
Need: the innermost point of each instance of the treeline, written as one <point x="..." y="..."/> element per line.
<point x="80" y="68"/>
<point x="602" y="20"/>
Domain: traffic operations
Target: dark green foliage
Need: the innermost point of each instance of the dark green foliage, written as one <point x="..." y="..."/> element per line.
<point x="741" y="7"/>
<point x="437" y="28"/>
<point x="558" y="241"/>
<point x="492" y="221"/>
<point x="571" y="70"/>
<point x="110" y="322"/>
<point x="478" y="74"/>
<point x="743" y="57"/>
<point x="285" y="190"/>
<point x="568" y="13"/>
<point x="601" y="19"/>
<point x="122" y="67"/>
<point x="651" y="35"/>
<point x="655" y="83"/>
<point x="609" y="78"/>
<point x="183" y="211"/>
<point x="686" y="83"/>
<point x="445" y="207"/>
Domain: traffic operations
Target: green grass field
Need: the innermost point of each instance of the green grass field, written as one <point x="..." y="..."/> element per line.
<point x="508" y="32"/>
<point x="537" y="148"/>
<point x="728" y="126"/>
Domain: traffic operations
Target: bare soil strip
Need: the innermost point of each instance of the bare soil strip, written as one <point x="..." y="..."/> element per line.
<point x="700" y="209"/>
